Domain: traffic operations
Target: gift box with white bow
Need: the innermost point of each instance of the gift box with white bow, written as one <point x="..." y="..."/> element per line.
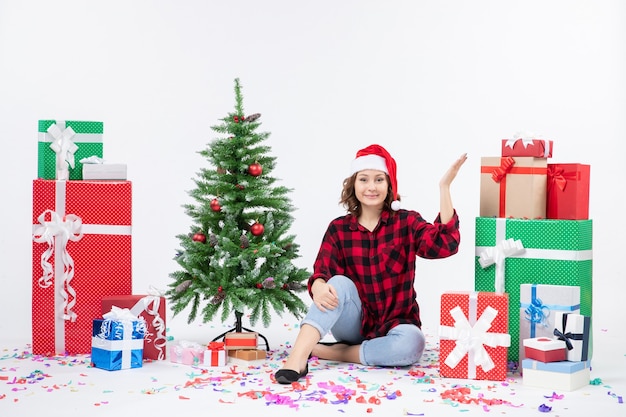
<point x="473" y="335"/>
<point x="117" y="341"/>
<point x="81" y="252"/>
<point x="512" y="252"/>
<point x="151" y="307"/>
<point x="63" y="143"/>
<point x="524" y="145"/>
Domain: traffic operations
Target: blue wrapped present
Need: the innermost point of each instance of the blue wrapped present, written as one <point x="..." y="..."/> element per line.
<point x="117" y="341"/>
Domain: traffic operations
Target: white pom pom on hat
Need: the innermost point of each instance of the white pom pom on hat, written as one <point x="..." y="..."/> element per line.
<point x="376" y="157"/>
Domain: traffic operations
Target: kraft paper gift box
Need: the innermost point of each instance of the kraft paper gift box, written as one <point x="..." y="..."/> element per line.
<point x="104" y="171"/>
<point x="117" y="341"/>
<point x="511" y="252"/>
<point x="248" y="354"/>
<point x="187" y="353"/>
<point x="473" y="335"/>
<point x="556" y="376"/>
<point x="568" y="191"/>
<point x="575" y="331"/>
<point x="63" y="143"/>
<point x="215" y="354"/>
<point x="81" y="253"/>
<point x="152" y="309"/>
<point x="241" y="340"/>
<point x="545" y="349"/>
<point x="513" y="187"/>
<point x="537" y="148"/>
<point x="538" y="307"/>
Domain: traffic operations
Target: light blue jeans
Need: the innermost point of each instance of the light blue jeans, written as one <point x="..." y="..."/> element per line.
<point x="403" y="345"/>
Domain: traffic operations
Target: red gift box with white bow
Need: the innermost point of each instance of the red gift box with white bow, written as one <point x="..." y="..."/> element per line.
<point x="81" y="252"/>
<point x="473" y="335"/>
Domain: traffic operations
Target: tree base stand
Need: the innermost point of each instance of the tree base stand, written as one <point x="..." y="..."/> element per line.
<point x="239" y="328"/>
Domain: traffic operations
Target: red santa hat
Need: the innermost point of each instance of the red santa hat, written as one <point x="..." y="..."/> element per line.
<point x="376" y="157"/>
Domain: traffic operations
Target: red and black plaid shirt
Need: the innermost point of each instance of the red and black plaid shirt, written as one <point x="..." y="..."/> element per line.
<point x="382" y="263"/>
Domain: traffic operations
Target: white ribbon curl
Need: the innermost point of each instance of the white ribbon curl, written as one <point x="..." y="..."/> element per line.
<point x="497" y="255"/>
<point x="63" y="146"/>
<point x="150" y="304"/>
<point x="58" y="231"/>
<point x="470" y="340"/>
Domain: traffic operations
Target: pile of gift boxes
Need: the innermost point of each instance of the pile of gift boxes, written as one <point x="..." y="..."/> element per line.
<point x="532" y="299"/>
<point x="82" y="300"/>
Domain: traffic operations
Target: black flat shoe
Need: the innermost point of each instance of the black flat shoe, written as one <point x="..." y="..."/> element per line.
<point x="334" y="343"/>
<point x="287" y="376"/>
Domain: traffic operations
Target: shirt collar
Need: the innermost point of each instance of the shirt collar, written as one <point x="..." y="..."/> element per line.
<point x="354" y="221"/>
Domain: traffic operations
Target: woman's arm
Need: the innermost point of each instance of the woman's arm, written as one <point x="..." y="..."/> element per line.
<point x="446" y="209"/>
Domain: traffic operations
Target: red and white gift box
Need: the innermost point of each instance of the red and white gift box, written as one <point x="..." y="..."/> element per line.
<point x="81" y="253"/>
<point x="523" y="146"/>
<point x="473" y="335"/>
<point x="568" y="191"/>
<point x="152" y="309"/>
<point x="545" y="349"/>
<point x="215" y="354"/>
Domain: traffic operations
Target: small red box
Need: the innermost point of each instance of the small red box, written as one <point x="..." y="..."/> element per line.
<point x="568" y="192"/>
<point x="82" y="251"/>
<point x="152" y="309"/>
<point x="545" y="349"/>
<point x="537" y="148"/>
<point x="473" y="335"/>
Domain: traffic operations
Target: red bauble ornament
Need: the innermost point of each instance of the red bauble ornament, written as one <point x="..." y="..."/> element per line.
<point x="240" y="187"/>
<point x="199" y="237"/>
<point x="259" y="286"/>
<point x="255" y="169"/>
<point x="215" y="205"/>
<point x="257" y="229"/>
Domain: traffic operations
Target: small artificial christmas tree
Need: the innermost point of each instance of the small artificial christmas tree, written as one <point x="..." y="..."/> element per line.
<point x="238" y="255"/>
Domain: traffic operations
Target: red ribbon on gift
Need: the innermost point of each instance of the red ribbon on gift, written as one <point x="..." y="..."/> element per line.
<point x="216" y="346"/>
<point x="557" y="176"/>
<point x="499" y="173"/>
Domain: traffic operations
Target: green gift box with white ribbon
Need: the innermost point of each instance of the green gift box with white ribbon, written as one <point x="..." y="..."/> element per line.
<point x="512" y="252"/>
<point x="62" y="144"/>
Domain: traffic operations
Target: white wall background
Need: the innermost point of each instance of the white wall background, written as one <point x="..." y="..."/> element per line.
<point x="428" y="80"/>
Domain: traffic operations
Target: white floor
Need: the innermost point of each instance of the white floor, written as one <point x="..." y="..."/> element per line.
<point x="68" y="386"/>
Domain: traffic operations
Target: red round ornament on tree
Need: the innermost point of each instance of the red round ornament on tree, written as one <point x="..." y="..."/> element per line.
<point x="255" y="169"/>
<point x="199" y="237"/>
<point x="257" y="229"/>
<point x="215" y="205"/>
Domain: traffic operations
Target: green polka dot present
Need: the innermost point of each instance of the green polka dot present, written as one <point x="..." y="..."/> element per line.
<point x="512" y="252"/>
<point x="63" y="144"/>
